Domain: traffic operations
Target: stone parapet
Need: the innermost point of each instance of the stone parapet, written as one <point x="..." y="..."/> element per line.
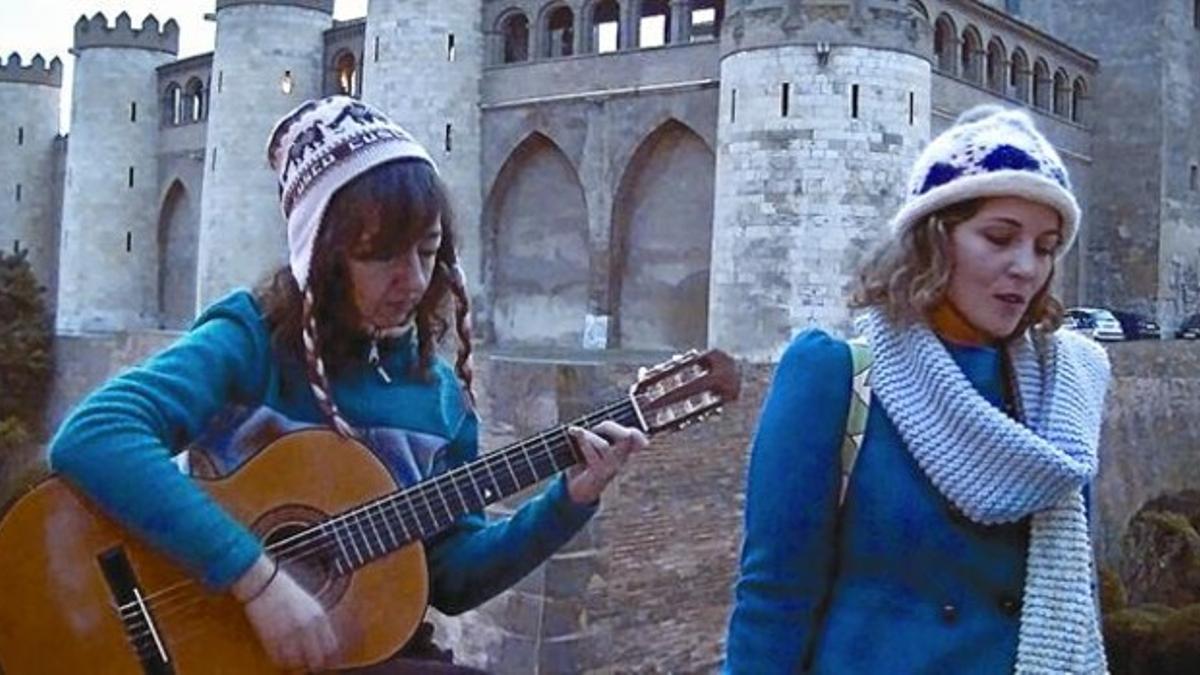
<point x="37" y="72"/>
<point x="95" y="32"/>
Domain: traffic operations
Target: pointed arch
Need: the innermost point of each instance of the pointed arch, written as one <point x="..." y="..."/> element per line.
<point x="178" y="239"/>
<point x="537" y="259"/>
<point x="662" y="241"/>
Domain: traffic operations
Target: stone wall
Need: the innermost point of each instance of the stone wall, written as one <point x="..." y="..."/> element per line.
<point x="646" y="586"/>
<point x="83" y="362"/>
<point x="1151" y="438"/>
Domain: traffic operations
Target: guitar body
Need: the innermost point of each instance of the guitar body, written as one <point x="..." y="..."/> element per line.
<point x="57" y="608"/>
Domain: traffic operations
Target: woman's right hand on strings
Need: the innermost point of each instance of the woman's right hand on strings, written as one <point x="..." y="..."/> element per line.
<point x="292" y="625"/>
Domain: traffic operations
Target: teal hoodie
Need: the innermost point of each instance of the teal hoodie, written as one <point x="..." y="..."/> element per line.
<point x="223" y="392"/>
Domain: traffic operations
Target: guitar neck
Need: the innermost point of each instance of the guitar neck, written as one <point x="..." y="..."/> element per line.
<point x="429" y="507"/>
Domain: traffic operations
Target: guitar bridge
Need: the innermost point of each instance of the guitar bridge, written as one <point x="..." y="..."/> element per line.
<point x="135" y="613"/>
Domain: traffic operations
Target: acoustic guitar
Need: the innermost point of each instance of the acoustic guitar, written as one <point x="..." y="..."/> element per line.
<point x="79" y="594"/>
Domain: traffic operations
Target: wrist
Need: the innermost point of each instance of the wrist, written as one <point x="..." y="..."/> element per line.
<point x="255" y="580"/>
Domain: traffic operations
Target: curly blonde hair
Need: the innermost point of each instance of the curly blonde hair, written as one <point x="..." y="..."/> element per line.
<point x="907" y="276"/>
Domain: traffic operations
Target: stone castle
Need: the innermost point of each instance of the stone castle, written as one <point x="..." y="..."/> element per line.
<point x="628" y="175"/>
<point x="636" y="174"/>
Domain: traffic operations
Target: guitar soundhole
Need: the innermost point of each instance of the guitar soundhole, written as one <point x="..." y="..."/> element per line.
<point x="309" y="557"/>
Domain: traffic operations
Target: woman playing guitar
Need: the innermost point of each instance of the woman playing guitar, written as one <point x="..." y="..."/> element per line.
<point x="344" y="336"/>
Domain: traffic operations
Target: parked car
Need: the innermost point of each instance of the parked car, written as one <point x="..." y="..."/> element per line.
<point x="1080" y="323"/>
<point x="1189" y="329"/>
<point x="1137" y="327"/>
<point x="1098" y="324"/>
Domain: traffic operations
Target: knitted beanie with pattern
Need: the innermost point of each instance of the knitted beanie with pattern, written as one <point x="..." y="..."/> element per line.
<point x="991" y="151"/>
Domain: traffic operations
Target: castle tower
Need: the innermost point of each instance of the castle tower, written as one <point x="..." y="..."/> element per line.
<point x="423" y="60"/>
<point x="29" y="189"/>
<point x="824" y="105"/>
<point x="267" y="61"/>
<point x="108" y="260"/>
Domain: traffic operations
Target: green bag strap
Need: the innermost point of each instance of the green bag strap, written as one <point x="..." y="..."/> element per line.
<point x="856" y="414"/>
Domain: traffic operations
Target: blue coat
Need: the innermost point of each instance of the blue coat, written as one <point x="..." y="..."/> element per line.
<point x="915" y="587"/>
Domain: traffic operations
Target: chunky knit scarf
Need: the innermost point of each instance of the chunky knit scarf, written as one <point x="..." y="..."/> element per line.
<point x="997" y="470"/>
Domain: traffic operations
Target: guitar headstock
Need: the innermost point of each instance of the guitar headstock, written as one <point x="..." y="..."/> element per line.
<point x="686" y="389"/>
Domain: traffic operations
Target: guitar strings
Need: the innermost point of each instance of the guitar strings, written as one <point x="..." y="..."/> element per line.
<point x="168" y="608"/>
<point x="300" y="546"/>
<point x="170" y="602"/>
<point x="460" y="479"/>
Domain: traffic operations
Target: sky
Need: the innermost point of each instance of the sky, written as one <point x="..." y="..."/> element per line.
<point x="47" y="27"/>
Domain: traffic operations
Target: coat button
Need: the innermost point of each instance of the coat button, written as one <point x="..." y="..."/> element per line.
<point x="949" y="613"/>
<point x="1010" y="605"/>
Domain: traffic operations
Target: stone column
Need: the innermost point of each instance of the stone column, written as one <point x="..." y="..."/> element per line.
<point x="681" y="22"/>
<point x="631" y="18"/>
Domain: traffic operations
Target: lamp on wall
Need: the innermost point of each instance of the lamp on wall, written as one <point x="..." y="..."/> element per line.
<point x="823" y="50"/>
<point x="285" y="82"/>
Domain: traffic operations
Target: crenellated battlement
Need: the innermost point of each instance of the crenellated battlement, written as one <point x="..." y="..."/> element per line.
<point x="95" y="32"/>
<point x="37" y="72"/>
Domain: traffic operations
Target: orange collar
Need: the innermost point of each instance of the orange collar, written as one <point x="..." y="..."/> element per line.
<point x="951" y="325"/>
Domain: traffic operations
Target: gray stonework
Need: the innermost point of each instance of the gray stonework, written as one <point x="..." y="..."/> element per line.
<point x="112" y="170"/>
<point x="1143" y="251"/>
<point x="96" y="32"/>
<point x="269" y="64"/>
<point x="813" y="156"/>
<point x="424" y="61"/>
<point x="602" y="111"/>
<point x="29" y="192"/>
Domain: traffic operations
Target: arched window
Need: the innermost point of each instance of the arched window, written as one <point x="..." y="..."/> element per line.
<point x="945" y="42"/>
<point x="972" y="55"/>
<point x="1041" y="85"/>
<point x="707" y="16"/>
<point x="1079" y="98"/>
<point x="172" y="105"/>
<point x="654" y="25"/>
<point x="195" y="101"/>
<point x="1062" y="93"/>
<point x="560" y="32"/>
<point x="1018" y="76"/>
<point x="515" y="29"/>
<point x="997" y="71"/>
<point x="606" y="27"/>
<point x="345" y="70"/>
<point x="917" y="9"/>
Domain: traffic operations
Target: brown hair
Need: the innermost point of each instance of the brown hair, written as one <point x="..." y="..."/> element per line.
<point x="906" y="276"/>
<point x="413" y="198"/>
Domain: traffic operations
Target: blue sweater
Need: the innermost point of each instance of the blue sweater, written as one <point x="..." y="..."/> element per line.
<point x="918" y="588"/>
<point x="224" y="391"/>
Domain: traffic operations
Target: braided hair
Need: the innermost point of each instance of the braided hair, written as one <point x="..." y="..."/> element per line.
<point x="377" y="215"/>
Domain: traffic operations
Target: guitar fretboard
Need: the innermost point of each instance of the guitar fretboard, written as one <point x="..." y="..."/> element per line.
<point x="380" y="527"/>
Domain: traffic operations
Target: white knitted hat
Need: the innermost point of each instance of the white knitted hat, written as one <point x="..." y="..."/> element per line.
<point x="319" y="147"/>
<point x="990" y="151"/>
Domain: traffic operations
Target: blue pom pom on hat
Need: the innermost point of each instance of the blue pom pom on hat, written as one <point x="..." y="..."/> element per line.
<point x="991" y="151"/>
